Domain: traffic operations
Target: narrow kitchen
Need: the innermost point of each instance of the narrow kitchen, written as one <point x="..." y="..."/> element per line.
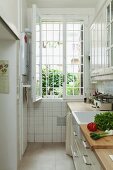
<point x="56" y="85"/>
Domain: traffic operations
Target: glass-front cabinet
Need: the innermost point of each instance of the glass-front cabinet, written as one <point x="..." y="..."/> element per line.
<point x="101" y="42"/>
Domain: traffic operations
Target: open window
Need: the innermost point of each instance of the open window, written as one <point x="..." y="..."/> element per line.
<point x="36" y="55"/>
<point x="57" y="58"/>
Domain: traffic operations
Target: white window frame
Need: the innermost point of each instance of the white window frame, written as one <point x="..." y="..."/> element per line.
<point x="35" y="14"/>
<point x="33" y="78"/>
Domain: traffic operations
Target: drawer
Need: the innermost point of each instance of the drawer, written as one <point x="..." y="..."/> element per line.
<point x="83" y="156"/>
<point x="90" y="154"/>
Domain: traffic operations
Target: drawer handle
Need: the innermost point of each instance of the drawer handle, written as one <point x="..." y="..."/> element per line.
<point x="85" y="145"/>
<point x="74" y="133"/>
<point x="85" y="161"/>
<point x="74" y="154"/>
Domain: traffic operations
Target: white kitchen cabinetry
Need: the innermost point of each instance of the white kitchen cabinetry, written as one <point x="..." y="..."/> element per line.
<point x="101" y="40"/>
<point x="98" y="44"/>
<point x="83" y="157"/>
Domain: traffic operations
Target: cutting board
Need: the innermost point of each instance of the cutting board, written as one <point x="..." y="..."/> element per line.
<point x="102" y="143"/>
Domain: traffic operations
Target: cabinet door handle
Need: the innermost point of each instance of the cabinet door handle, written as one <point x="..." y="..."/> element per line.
<point x="85" y="161"/>
<point x="85" y="145"/>
<point x="74" y="133"/>
<point x="74" y="154"/>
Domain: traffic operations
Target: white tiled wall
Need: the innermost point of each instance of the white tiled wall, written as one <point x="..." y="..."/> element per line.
<point x="42" y="121"/>
<point x="105" y="87"/>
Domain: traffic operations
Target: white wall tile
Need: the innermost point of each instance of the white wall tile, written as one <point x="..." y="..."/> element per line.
<point x="48" y="138"/>
<point x="31" y="137"/>
<point x="43" y="117"/>
<point x="104" y="87"/>
<point x="39" y="129"/>
<point x="57" y="137"/>
<point x="39" y="138"/>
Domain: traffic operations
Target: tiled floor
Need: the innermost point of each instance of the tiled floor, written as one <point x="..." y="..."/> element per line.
<point x="47" y="156"/>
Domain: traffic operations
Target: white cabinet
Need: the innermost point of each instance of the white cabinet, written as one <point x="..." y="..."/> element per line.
<point x="98" y="43"/>
<point x="109" y="28"/>
<point x="83" y="157"/>
<point x="101" y="40"/>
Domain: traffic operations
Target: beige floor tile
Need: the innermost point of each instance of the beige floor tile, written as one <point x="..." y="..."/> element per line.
<point x="64" y="164"/>
<point x="46" y="156"/>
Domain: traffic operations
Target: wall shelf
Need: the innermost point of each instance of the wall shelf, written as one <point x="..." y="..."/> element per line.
<point x="7" y="32"/>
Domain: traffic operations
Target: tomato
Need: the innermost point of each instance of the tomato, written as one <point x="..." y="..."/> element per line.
<point x="92" y="126"/>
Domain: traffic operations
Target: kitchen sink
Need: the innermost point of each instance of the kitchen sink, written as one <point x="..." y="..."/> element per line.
<point x="84" y="117"/>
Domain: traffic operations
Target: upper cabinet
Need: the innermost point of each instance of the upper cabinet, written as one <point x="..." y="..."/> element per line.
<point x="101" y="40"/>
<point x="7" y="32"/>
<point x="109" y="28"/>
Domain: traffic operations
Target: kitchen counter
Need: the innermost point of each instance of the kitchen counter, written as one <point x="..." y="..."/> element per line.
<point x="102" y="147"/>
<point x="103" y="143"/>
<point x="104" y="159"/>
<point x="80" y="106"/>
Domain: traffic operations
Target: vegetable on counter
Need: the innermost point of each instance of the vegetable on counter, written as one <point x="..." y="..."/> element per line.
<point x="92" y="126"/>
<point x="96" y="136"/>
<point x="104" y="121"/>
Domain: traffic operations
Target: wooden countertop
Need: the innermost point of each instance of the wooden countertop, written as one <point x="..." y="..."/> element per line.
<point x="80" y="106"/>
<point x="103" y="143"/>
<point x="104" y="159"/>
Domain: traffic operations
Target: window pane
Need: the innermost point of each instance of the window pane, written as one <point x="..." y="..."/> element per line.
<point x="44" y="36"/>
<point x="37" y="36"/>
<point x="70" y="36"/>
<point x="50" y="36"/>
<point x="37" y="27"/>
<point x="52" y="58"/>
<point x="44" y="26"/>
<point x="69" y="26"/>
<point x="49" y="26"/>
<point x="69" y="91"/>
<point x="78" y="27"/>
<point x="37" y="49"/>
<point x="56" y="36"/>
<point x="49" y="50"/>
<point x="77" y="36"/>
<point x="70" y="48"/>
<point x="56" y="26"/>
<point x="77" y="91"/>
<point x="37" y="60"/>
<point x="74" y="59"/>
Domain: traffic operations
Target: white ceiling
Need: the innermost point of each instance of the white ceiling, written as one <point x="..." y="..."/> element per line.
<point x="63" y="3"/>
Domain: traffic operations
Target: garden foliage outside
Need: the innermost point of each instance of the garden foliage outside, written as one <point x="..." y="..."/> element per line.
<point x="52" y="83"/>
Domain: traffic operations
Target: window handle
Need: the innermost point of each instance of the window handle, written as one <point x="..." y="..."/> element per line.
<point x="63" y="78"/>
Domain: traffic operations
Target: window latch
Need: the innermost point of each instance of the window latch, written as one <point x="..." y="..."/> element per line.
<point x="63" y="78"/>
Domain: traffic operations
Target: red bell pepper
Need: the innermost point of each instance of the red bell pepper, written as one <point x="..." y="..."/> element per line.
<point x="92" y="126"/>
